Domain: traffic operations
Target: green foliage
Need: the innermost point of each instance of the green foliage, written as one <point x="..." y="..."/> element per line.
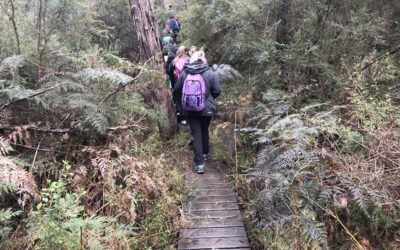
<point x="6" y="216"/>
<point x="59" y="222"/>
<point x="375" y="97"/>
<point x="158" y="229"/>
<point x="6" y="187"/>
<point x="79" y="88"/>
<point x="292" y="163"/>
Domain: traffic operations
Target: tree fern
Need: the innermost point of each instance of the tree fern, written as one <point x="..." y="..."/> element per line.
<point x="5" y="146"/>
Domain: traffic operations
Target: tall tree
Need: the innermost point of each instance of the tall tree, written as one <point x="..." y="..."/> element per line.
<point x="11" y="16"/>
<point x="146" y="28"/>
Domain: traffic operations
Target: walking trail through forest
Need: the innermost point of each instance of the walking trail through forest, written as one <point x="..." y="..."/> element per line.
<point x="211" y="217"/>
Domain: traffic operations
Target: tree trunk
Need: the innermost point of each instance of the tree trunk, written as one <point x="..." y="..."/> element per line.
<point x="39" y="39"/>
<point x="283" y="33"/>
<point x="283" y="38"/>
<point x="12" y="18"/>
<point x="146" y="28"/>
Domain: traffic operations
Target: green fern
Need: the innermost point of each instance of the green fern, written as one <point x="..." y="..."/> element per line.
<point x="6" y="216"/>
<point x="6" y="188"/>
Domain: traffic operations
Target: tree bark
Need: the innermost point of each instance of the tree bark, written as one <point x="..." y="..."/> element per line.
<point x="146" y="28"/>
<point x="283" y="35"/>
<point x="39" y="39"/>
<point x="283" y="38"/>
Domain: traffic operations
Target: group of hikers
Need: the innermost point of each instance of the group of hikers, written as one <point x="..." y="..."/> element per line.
<point x="194" y="86"/>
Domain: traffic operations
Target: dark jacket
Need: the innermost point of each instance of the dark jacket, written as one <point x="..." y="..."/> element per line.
<point x="213" y="88"/>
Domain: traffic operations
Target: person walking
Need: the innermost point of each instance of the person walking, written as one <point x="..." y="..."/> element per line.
<point x="179" y="62"/>
<point x="197" y="87"/>
<point x="171" y="50"/>
<point x="181" y="59"/>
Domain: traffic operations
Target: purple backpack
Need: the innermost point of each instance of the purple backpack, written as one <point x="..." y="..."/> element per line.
<point x="194" y="93"/>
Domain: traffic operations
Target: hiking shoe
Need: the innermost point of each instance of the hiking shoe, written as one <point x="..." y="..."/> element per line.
<point x="205" y="157"/>
<point x="200" y="169"/>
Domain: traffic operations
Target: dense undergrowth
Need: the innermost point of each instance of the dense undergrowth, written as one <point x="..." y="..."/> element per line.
<point x="89" y="155"/>
<point x="84" y="169"/>
<point x="317" y="122"/>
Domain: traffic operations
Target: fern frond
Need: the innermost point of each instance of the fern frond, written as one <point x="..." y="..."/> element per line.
<point x="97" y="120"/>
<point x="7" y="187"/>
<point x="9" y="66"/>
<point x="5" y="146"/>
<point x="107" y="75"/>
<point x="315" y="231"/>
<point x="361" y="199"/>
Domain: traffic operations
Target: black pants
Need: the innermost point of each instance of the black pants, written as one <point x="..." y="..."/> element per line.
<point x="199" y="127"/>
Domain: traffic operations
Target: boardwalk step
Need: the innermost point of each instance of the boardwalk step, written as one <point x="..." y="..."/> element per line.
<point x="208" y="186"/>
<point x="213" y="199"/>
<point x="217" y="243"/>
<point x="211" y="218"/>
<point x="212" y="232"/>
<point x="214" y="222"/>
<point x="211" y="213"/>
<point x="210" y="206"/>
<point x="213" y="192"/>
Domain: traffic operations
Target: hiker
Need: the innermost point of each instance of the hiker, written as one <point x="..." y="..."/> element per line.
<point x="179" y="62"/>
<point x="171" y="49"/>
<point x="181" y="59"/>
<point x="169" y="12"/>
<point x="175" y="25"/>
<point x="197" y="87"/>
<point x="168" y="29"/>
<point x="165" y="40"/>
<point x="192" y="50"/>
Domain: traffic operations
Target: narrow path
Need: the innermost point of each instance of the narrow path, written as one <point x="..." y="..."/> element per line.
<point x="211" y="214"/>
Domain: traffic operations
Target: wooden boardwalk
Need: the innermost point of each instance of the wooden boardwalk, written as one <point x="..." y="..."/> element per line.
<point x="211" y="215"/>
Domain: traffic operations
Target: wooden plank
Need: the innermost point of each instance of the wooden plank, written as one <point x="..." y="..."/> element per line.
<point x="229" y="248"/>
<point x="234" y="221"/>
<point x="215" y="180"/>
<point x="218" y="243"/>
<point x="222" y="186"/>
<point x="211" y="214"/>
<point x="212" y="232"/>
<point x="213" y="192"/>
<point x="212" y="198"/>
<point x="210" y="206"/>
<point x="209" y="175"/>
<point x="200" y="186"/>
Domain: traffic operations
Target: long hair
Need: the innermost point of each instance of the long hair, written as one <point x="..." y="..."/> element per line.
<point x="198" y="55"/>
<point x="192" y="50"/>
<point x="180" y="53"/>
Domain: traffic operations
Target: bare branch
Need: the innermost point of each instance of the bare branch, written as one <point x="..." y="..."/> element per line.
<point x="121" y="87"/>
<point x="38" y="92"/>
<point x="374" y="60"/>
<point x="67" y="130"/>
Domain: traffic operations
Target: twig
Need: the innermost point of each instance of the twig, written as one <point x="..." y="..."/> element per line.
<point x="37" y="148"/>
<point x="39" y="92"/>
<point x="65" y="118"/>
<point x="66" y="130"/>
<point x="121" y="87"/>
<point x="331" y="213"/>
<point x="36" y="152"/>
<point x="374" y="60"/>
<point x="236" y="152"/>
